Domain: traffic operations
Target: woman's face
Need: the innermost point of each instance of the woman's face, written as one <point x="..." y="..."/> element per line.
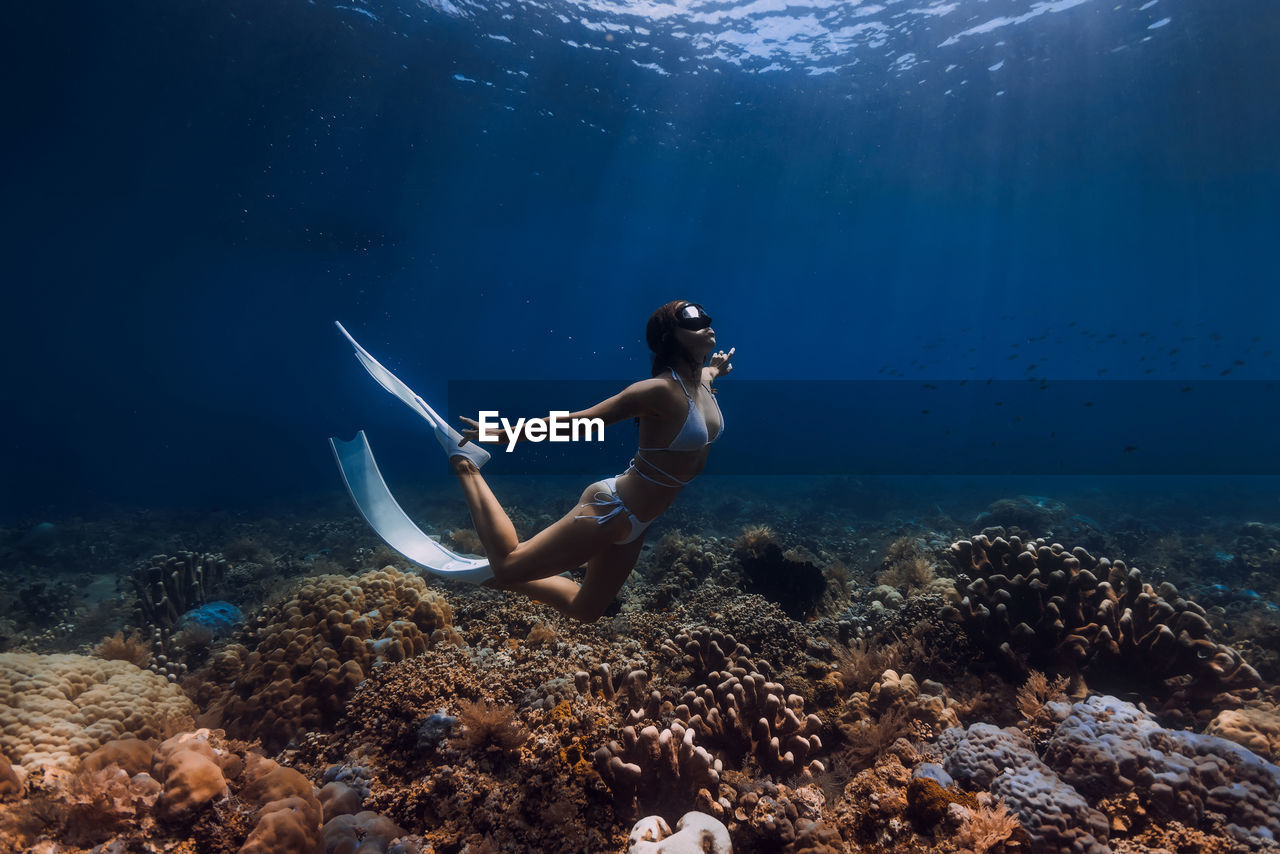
<point x="696" y="341"/>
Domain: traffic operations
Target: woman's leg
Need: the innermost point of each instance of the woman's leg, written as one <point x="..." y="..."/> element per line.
<point x="568" y="542"/>
<point x="493" y="525"/>
<point x="606" y="573"/>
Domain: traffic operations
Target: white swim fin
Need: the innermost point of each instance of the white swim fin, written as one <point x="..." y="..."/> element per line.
<point x="451" y="440"/>
<point x="379" y="508"/>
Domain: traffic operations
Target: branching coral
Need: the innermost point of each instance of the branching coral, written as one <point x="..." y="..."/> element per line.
<point x="656" y="771"/>
<point x="120" y="648"/>
<point x="493" y="729"/>
<point x="1035" y="695"/>
<point x="861" y="662"/>
<point x="865" y="740"/>
<point x="988" y="827"/>
<point x="906" y="566"/>
<point x="169" y="586"/>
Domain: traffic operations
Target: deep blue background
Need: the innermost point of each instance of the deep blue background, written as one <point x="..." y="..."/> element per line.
<point x="193" y="192"/>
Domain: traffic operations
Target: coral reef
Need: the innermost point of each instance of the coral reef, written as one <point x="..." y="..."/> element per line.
<point x="168" y="586"/>
<point x="362" y="711"/>
<point x="791" y="578"/>
<point x="309" y="653"/>
<point x="1038" y="605"/>
<point x="695" y="833"/>
<point x="57" y="708"/>
<point x="1103" y="751"/>
<point x="1256" y="726"/>
<point x="120" y="648"/>
<point x="10" y="781"/>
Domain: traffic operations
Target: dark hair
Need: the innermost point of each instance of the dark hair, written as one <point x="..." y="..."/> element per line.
<point x="660" y="335"/>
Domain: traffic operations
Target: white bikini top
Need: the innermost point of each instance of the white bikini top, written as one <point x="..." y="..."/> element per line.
<point x="693" y="435"/>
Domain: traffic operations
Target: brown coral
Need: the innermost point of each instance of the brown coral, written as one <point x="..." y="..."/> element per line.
<point x="57" y="708"/>
<point x="120" y="648"/>
<point x="1036" y="693"/>
<point x="313" y="650"/>
<point x="10" y="782"/>
<point x="1257" y="727"/>
<point x="1036" y="604"/>
<point x="189" y="770"/>
<point x="289" y="813"/>
<point x="906" y="567"/>
<point x="494" y="729"/>
<point x="990" y="827"/>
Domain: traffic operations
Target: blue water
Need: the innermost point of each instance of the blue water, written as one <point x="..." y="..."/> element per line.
<point x="1023" y="192"/>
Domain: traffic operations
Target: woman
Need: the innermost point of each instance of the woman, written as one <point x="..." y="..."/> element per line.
<point x="679" y="419"/>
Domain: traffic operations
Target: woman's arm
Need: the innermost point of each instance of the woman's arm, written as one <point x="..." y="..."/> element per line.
<point x="636" y="400"/>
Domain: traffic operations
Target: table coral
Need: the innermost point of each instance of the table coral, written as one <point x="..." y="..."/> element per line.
<point x="57" y="708"/>
<point x="1035" y="604"/>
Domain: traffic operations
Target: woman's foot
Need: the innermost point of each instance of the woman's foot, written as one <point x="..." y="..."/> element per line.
<point x="459" y="448"/>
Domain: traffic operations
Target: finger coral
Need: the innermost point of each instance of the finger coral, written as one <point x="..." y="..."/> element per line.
<point x="1038" y="605"/>
<point x="169" y="586"/>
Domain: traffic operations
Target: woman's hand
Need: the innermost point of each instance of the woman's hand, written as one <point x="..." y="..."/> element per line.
<point x="720" y="362"/>
<point x="472" y="432"/>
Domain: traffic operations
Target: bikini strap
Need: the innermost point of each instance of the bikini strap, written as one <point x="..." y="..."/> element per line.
<point x="682" y="386"/>
<point x="676" y="483"/>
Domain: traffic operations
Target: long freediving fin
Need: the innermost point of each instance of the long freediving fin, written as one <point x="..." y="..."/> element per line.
<point x="451" y="440"/>
<point x="379" y="508"/>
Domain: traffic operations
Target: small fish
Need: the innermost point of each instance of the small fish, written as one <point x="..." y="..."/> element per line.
<point x="1129" y="449"/>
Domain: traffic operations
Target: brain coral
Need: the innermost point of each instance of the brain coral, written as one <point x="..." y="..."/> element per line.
<point x="56" y="708"/>
<point x="1039" y="605"/>
<point x="309" y="653"/>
